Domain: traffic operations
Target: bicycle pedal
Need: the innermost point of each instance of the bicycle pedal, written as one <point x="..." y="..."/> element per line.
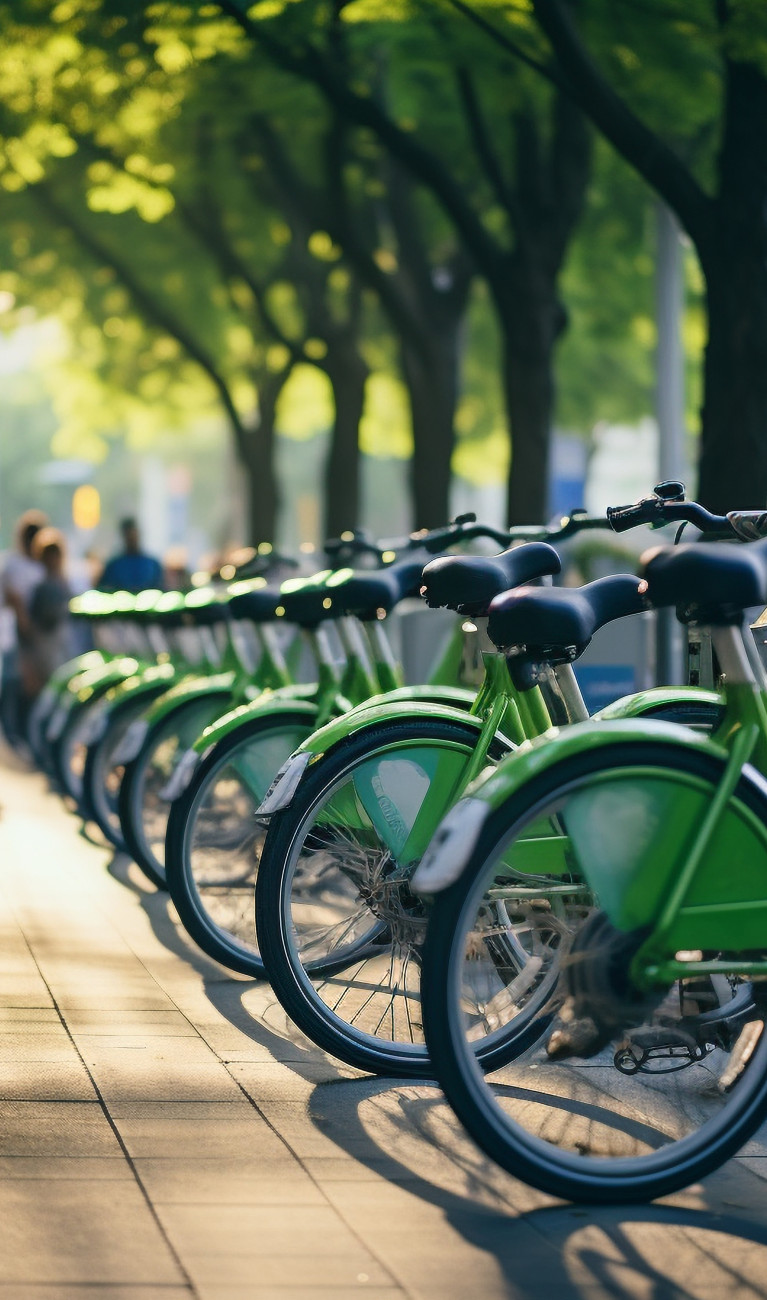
<point x="659" y="1050"/>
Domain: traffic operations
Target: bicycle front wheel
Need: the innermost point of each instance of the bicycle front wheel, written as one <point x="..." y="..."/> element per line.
<point x="105" y="768"/>
<point x="664" y="1103"/>
<point x="339" y="930"/>
<point x="146" y="789"/>
<point x="213" y="844"/>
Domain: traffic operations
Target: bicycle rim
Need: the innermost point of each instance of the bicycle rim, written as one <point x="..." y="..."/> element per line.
<point x="214" y="880"/>
<point x="342" y="935"/>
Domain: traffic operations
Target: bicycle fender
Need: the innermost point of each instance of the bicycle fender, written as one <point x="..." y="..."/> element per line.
<point x="371" y="714"/>
<point x="148" y="682"/>
<point x="456" y="837"/>
<point x="102" y="677"/>
<point x="635" y="706"/>
<point x="458" y="696"/>
<point x="147" y="679"/>
<point x="287" y="699"/>
<point x="63" y="675"/>
<point x="268" y="704"/>
<point x="84" y="687"/>
<point x="189" y="688"/>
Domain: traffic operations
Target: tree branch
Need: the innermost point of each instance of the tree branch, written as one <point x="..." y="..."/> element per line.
<point x="204" y="223"/>
<point x="364" y="111"/>
<point x="154" y="311"/>
<point x="660" y="166"/>
<point x="569" y="169"/>
<point x="505" y="42"/>
<point x="482" y="144"/>
<point x="345" y="230"/>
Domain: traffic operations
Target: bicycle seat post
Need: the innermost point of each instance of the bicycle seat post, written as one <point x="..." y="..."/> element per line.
<point x="562" y="681"/>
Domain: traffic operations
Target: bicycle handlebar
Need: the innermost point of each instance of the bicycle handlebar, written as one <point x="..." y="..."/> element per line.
<point x="667" y="506"/>
<point x="465" y="529"/>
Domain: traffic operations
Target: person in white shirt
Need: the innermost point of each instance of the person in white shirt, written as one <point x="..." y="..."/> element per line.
<point x="20" y="577"/>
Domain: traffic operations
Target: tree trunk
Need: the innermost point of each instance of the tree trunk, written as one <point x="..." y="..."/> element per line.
<point x="256" y="455"/>
<point x="532" y="319"/>
<point x="733" y="462"/>
<point x="528" y="390"/>
<point x="261" y="483"/>
<point x="431" y="377"/>
<point x="733" y="453"/>
<point x="348" y="376"/>
<point x="550" y="186"/>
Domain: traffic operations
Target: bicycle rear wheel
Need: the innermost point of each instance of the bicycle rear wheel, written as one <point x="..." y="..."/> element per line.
<point x="105" y="767"/>
<point x="620" y="1125"/>
<point x="339" y="930"/>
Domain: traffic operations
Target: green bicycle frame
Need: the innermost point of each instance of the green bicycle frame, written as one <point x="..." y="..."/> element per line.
<point x="661" y="846"/>
<point x="498" y="709"/>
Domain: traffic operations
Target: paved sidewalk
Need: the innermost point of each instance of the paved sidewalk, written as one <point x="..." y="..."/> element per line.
<point x="164" y="1133"/>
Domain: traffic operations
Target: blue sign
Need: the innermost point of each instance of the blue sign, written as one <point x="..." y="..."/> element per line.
<point x="603" y="683"/>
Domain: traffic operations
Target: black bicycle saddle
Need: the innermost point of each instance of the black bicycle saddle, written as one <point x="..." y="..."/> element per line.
<point x="364" y="593"/>
<point x="555" y="617"/>
<point x="709" y="583"/>
<point x="468" y="583"/>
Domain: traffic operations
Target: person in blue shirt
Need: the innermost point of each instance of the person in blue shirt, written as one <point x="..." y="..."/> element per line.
<point x="132" y="570"/>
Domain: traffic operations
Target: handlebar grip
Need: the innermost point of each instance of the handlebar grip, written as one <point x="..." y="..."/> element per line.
<point x="621" y="518"/>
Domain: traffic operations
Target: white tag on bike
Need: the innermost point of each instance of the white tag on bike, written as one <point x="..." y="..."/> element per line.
<point x="57" y="721"/>
<point x="93" y="725"/>
<point x="451" y="846"/>
<point x="180" y="776"/>
<point x="128" y="747"/>
<point x="284" y="785"/>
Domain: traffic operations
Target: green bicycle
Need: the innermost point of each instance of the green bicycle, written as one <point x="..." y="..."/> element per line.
<point x="213" y="840"/>
<point x="656" y="1071"/>
<point x="340" y="932"/>
<point x="158" y="755"/>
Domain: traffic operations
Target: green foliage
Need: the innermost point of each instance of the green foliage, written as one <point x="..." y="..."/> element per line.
<point x="142" y="207"/>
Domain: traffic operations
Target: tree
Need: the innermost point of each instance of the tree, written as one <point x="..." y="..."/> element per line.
<point x="515" y="211"/>
<point x="682" y="96"/>
<point x="235" y="160"/>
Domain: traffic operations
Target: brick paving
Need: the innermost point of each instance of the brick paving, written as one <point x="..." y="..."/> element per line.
<point x="165" y="1133"/>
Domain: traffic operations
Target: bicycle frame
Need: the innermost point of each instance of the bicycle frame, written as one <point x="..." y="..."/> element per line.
<point x="671" y="876"/>
<point x="498" y="709"/>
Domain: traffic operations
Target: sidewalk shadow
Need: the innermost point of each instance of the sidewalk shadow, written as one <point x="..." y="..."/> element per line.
<point x="224" y="989"/>
<point x="590" y="1251"/>
<point x="405" y="1132"/>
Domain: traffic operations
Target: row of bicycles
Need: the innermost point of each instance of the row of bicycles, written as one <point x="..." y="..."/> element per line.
<point x="563" y="919"/>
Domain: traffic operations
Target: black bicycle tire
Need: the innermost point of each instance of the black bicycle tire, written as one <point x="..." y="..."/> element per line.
<point x="93" y="787"/>
<point x="463" y="1081"/>
<point x="198" y="925"/>
<point x="131" y="789"/>
<point x="59" y="752"/>
<point x="290" y="986"/>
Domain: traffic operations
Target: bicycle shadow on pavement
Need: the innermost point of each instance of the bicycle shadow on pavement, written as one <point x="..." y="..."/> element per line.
<point x="703" y="1243"/>
<point x="263" y="1022"/>
<point x="699" y="1245"/>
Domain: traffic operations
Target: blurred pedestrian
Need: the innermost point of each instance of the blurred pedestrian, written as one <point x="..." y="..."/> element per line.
<point x="21" y="574"/>
<point x="132" y="569"/>
<point x="48" y="640"/>
<point x="176" y="576"/>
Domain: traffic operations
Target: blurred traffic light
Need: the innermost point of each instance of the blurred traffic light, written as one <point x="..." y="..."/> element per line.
<point x="86" y="506"/>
